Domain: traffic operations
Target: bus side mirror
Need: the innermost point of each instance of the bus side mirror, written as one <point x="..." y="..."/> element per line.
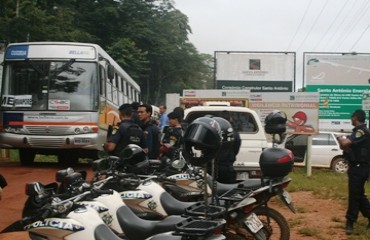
<point x="110" y="72"/>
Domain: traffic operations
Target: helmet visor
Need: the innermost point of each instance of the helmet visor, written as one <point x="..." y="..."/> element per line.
<point x="201" y="136"/>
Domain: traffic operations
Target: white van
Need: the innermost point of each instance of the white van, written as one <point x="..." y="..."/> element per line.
<point x="248" y="124"/>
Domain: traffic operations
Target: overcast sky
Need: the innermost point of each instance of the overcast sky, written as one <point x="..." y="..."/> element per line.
<point x="279" y="25"/>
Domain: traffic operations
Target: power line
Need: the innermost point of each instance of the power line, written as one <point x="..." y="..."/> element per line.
<point x="358" y="16"/>
<point x="300" y="24"/>
<point x="313" y="25"/>
<point x="339" y="25"/>
<point x="331" y="25"/>
<point x="362" y="34"/>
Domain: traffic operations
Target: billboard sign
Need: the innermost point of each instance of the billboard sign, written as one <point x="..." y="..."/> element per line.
<point x="256" y="71"/>
<point x="341" y="80"/>
<point x="301" y="109"/>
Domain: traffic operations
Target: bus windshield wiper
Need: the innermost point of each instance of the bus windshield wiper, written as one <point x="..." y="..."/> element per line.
<point x="36" y="67"/>
<point x="65" y="66"/>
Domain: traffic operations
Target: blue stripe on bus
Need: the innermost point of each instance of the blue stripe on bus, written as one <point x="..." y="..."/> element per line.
<point x="11" y="117"/>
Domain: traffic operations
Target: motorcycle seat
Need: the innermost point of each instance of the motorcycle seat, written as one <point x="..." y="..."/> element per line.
<point x="103" y="232"/>
<point x="248" y="184"/>
<point x="172" y="206"/>
<point x="137" y="228"/>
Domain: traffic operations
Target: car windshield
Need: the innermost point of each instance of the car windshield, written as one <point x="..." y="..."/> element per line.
<point x="242" y="122"/>
<point x="50" y="85"/>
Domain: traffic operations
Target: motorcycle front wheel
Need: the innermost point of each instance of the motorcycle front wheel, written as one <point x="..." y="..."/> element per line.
<point x="276" y="226"/>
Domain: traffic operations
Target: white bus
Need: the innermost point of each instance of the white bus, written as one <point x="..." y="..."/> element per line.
<point x="58" y="98"/>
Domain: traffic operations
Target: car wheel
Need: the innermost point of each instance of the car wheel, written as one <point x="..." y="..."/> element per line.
<point x="339" y="165"/>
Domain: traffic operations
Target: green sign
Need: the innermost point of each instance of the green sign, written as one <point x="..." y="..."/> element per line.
<point x="338" y="101"/>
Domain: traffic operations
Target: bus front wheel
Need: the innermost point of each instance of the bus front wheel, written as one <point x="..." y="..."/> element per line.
<point x="26" y="156"/>
<point x="68" y="158"/>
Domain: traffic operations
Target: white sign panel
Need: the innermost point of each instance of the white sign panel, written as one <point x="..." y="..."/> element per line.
<point x="61" y="51"/>
<point x="16" y="101"/>
<point x="242" y="66"/>
<point x="215" y="93"/>
<point x="337" y="69"/>
<point x="302" y="109"/>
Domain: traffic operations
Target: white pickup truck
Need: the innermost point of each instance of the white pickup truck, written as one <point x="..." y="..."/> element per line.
<point x="252" y="134"/>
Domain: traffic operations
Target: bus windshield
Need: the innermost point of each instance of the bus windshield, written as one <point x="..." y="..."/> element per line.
<point x="50" y="85"/>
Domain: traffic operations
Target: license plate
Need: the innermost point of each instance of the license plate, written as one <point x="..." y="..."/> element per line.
<point x="253" y="223"/>
<point x="82" y="140"/>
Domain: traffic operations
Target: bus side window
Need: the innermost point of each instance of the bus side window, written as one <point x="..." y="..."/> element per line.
<point x="115" y="89"/>
<point x="102" y="81"/>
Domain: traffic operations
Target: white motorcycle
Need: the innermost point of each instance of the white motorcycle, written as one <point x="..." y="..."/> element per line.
<point x="110" y="210"/>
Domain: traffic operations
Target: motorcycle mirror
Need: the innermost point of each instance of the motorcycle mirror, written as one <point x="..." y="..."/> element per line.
<point x="61" y="174"/>
<point x="33" y="188"/>
<point x="73" y="178"/>
<point x="178" y="164"/>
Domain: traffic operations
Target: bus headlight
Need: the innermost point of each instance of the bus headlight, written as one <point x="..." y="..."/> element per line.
<point x="85" y="129"/>
<point x="14" y="130"/>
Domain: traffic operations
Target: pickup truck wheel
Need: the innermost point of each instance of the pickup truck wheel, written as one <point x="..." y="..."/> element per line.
<point x="339" y="165"/>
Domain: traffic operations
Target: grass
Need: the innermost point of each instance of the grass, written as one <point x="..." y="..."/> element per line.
<point x="323" y="183"/>
<point x="326" y="184"/>
<point x="14" y="157"/>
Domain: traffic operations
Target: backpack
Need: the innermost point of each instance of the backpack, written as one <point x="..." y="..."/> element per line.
<point x="133" y="135"/>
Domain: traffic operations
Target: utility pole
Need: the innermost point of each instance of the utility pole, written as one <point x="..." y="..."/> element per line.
<point x="17" y="9"/>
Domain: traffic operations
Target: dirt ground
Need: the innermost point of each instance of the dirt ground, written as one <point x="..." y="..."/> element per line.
<point x="320" y="219"/>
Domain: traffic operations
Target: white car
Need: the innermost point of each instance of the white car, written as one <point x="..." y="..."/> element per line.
<point x="325" y="151"/>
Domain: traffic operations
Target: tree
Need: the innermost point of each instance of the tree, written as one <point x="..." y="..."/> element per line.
<point x="148" y="38"/>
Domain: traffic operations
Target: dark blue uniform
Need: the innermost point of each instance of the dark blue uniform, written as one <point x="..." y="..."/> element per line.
<point x="151" y="134"/>
<point x="121" y="137"/>
<point x="358" y="173"/>
<point x="225" y="161"/>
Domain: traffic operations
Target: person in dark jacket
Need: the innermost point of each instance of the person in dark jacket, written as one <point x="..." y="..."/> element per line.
<point x="134" y="115"/>
<point x="227" y="156"/>
<point x="356" y="149"/>
<point x="151" y="130"/>
<point x="172" y="138"/>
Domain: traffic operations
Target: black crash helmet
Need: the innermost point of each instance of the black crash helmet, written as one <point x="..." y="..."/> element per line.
<point x="132" y="154"/>
<point x="227" y="131"/>
<point x="201" y="141"/>
<point x="275" y="122"/>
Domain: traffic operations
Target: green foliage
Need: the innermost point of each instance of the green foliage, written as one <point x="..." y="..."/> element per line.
<point x="324" y="183"/>
<point x="149" y="39"/>
<point x="126" y="53"/>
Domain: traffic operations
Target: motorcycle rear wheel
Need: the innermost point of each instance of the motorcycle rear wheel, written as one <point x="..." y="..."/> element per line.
<point x="275" y="224"/>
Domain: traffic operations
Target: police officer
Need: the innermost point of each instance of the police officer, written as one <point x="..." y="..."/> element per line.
<point x="124" y="133"/>
<point x="356" y="150"/>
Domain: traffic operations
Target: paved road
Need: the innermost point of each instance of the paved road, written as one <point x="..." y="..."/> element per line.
<point x="14" y="196"/>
